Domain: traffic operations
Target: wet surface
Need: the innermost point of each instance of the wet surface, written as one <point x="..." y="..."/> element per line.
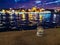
<point x="29" y="37"/>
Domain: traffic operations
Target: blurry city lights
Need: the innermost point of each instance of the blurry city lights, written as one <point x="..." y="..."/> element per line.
<point x="29" y="10"/>
<point x="34" y="9"/>
<point x="42" y="9"/>
<point x="16" y="12"/>
<point x="23" y="10"/>
<point x="3" y="11"/>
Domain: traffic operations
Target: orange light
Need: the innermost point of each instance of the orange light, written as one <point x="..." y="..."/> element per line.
<point x="42" y="9"/>
<point x="23" y="10"/>
<point x="34" y="9"/>
<point x="29" y="10"/>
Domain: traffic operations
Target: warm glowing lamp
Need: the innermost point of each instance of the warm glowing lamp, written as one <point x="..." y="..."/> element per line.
<point x="29" y="10"/>
<point x="34" y="9"/>
<point x="23" y="11"/>
<point x="42" y="9"/>
<point x="3" y="11"/>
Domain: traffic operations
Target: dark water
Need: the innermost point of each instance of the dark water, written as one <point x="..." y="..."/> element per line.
<point x="7" y="25"/>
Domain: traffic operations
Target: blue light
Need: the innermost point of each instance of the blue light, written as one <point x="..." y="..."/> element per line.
<point x="17" y="0"/>
<point x="21" y="1"/>
<point x="37" y="2"/>
<point x="53" y="2"/>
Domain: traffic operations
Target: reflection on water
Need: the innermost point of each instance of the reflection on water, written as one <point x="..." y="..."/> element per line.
<point x="27" y="21"/>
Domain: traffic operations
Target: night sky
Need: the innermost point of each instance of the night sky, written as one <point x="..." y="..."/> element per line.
<point x="29" y="3"/>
